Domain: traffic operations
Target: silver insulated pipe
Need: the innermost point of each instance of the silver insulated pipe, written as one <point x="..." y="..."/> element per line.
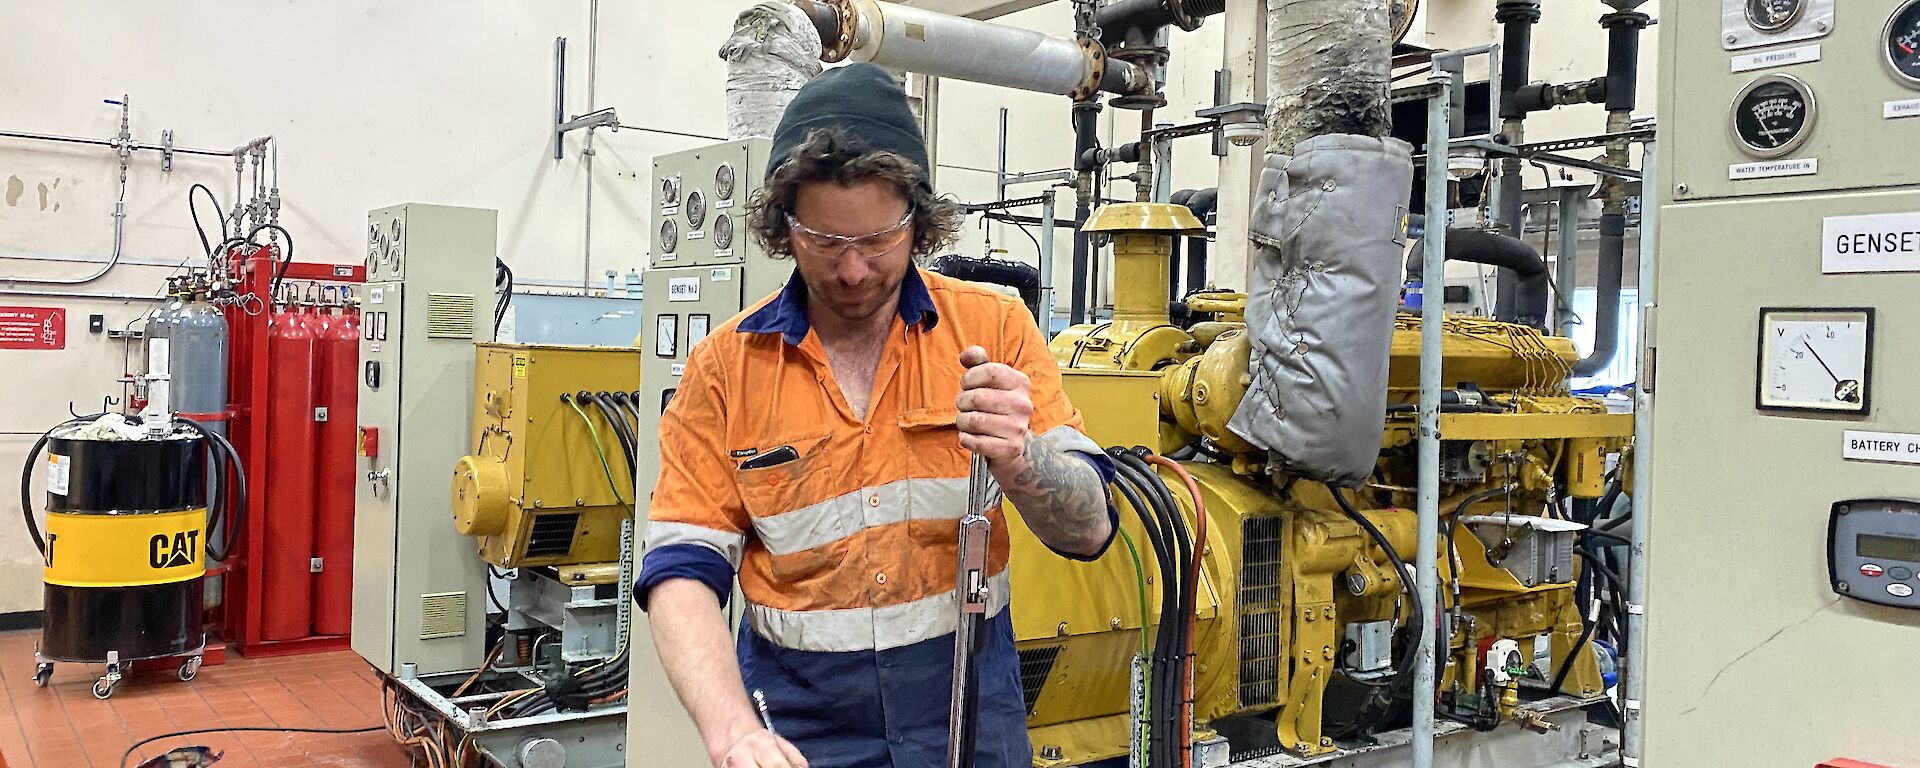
<point x="916" y="40"/>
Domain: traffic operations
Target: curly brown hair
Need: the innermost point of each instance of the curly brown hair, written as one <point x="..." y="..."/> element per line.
<point x="833" y="155"/>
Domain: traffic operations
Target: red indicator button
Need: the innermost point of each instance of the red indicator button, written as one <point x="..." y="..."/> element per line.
<point x="1871" y="571"/>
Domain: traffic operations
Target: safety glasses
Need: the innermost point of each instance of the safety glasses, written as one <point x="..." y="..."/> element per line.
<point x="869" y="246"/>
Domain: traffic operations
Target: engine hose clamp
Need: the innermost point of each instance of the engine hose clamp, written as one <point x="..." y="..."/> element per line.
<point x="842" y="45"/>
<point x="1096" y="55"/>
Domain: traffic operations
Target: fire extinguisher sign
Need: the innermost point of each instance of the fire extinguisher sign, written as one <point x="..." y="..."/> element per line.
<point x="33" y="328"/>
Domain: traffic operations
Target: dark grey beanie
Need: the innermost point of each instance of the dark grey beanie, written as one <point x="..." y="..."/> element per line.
<point x="861" y="100"/>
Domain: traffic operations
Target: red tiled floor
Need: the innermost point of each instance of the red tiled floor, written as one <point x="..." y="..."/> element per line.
<point x="64" y="726"/>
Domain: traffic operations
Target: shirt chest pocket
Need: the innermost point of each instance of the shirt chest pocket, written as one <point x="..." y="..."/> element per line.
<point x="933" y="442"/>
<point x="776" y="475"/>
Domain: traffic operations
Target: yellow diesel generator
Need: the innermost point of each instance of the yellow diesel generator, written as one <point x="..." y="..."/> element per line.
<point x="1290" y="615"/>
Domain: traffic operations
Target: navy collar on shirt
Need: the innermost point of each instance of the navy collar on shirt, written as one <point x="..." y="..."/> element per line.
<point x="787" y="313"/>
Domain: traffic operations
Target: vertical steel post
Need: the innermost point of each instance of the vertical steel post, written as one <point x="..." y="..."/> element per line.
<point x="1046" y="263"/>
<point x="1432" y="314"/>
<point x="1633" y="684"/>
<point x="1566" y="272"/>
<point x="559" y="94"/>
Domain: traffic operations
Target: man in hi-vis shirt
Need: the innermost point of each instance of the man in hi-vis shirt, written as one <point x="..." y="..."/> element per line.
<point x="819" y="448"/>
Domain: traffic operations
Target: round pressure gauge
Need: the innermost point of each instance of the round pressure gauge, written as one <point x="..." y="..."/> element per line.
<point x="1903" y="43"/>
<point x="1774" y="15"/>
<point x="669" y="236"/>
<point x="696" y="209"/>
<point x="1773" y="115"/>
<point x="723" y="182"/>
<point x="723" y="233"/>
<point x="669" y="191"/>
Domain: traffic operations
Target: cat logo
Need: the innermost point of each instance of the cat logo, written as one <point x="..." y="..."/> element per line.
<point x="165" y="551"/>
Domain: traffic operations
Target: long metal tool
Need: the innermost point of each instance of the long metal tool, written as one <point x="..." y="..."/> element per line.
<point x="983" y="493"/>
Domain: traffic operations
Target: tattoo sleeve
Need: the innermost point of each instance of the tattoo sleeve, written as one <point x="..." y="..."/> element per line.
<point x="1061" y="498"/>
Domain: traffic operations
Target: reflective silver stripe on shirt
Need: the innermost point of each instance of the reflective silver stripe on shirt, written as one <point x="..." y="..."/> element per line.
<point x="728" y="545"/>
<point x="872" y="629"/>
<point x="817" y="525"/>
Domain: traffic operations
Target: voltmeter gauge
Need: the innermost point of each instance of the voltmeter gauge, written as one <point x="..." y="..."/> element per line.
<point x="696" y="209"/>
<point x="723" y="182"/>
<point x="1774" y="15"/>
<point x="722" y="232"/>
<point x="1773" y="115"/>
<point x="1815" y="360"/>
<point x="669" y="236"/>
<point x="1903" y="43"/>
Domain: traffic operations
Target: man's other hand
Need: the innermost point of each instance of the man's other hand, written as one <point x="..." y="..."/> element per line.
<point x="995" y="408"/>
<point x="756" y="747"/>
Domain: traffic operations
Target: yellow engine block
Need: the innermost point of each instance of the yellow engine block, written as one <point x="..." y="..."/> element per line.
<point x="1284" y="572"/>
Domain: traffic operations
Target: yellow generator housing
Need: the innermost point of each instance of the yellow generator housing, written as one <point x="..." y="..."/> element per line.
<point x="1289" y="584"/>
<point x="534" y="492"/>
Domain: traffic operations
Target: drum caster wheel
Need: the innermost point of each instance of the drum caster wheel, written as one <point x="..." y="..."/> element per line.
<point x="42" y="672"/>
<point x="103" y="688"/>
<point x="189" y="669"/>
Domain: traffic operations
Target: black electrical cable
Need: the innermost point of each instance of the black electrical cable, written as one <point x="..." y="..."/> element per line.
<point x="1170" y="681"/>
<point x="1419" y="618"/>
<point x="1166" y="507"/>
<point x="229" y="518"/>
<point x="194" y="210"/>
<point x="494" y="573"/>
<point x="602" y="402"/>
<point x="286" y="259"/>
<point x="1137" y="493"/>
<point x="503" y="280"/>
<point x="1163" y="559"/>
<point x="243" y="729"/>
<point x="631" y="404"/>
<point x="26" y="480"/>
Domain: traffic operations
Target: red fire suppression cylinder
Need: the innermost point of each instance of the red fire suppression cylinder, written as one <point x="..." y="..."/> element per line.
<point x="287" y="607"/>
<point x="333" y="532"/>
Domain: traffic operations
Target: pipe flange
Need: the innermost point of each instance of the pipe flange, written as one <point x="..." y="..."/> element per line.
<point x="1096" y="68"/>
<point x="842" y="45"/>
<point x="1182" y="18"/>
<point x="1144" y="59"/>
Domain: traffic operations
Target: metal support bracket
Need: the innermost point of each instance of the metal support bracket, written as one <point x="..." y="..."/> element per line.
<point x="166" y="151"/>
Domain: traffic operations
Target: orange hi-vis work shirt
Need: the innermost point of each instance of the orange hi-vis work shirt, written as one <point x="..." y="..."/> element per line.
<point x="843" y="531"/>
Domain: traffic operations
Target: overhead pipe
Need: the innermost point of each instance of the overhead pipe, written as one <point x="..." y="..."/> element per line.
<point x="1511" y="256"/>
<point x="939" y="45"/>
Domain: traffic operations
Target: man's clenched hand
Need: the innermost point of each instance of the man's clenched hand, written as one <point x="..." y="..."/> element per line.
<point x="995" y="409"/>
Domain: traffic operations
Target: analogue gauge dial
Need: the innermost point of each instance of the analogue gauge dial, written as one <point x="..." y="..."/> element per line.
<point x="1815" y="359"/>
<point x="669" y="236"/>
<point x="1774" y="15"/>
<point x="723" y="182"/>
<point x="696" y="209"/>
<point x="1773" y="115"/>
<point x="722" y="232"/>
<point x="1903" y="43"/>
<point x="669" y="191"/>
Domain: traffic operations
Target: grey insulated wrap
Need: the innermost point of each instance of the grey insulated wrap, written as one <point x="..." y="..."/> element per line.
<point x="1328" y="224"/>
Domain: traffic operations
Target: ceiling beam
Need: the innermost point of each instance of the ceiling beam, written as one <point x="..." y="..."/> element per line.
<point x="976" y="9"/>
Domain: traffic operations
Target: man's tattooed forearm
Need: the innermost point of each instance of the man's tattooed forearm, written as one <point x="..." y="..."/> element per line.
<point x="1061" y="498"/>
